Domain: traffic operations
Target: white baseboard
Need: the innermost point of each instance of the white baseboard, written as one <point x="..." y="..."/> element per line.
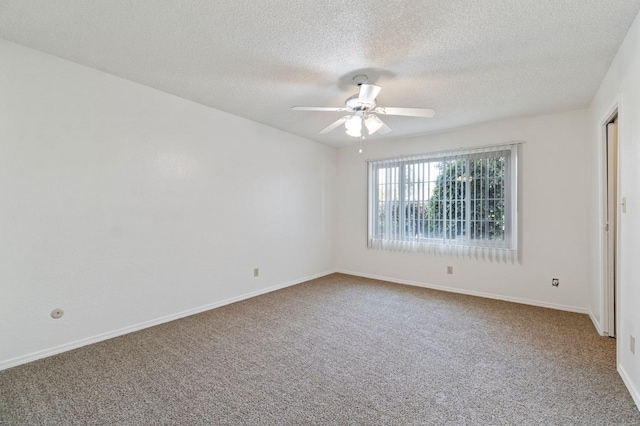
<point x="632" y="390"/>
<point x="470" y="292"/>
<point x="111" y="334"/>
<point x="596" y="324"/>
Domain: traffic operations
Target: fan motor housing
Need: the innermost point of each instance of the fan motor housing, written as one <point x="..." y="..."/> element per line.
<point x="353" y="105"/>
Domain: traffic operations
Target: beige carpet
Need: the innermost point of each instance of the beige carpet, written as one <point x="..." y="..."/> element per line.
<point x="336" y="350"/>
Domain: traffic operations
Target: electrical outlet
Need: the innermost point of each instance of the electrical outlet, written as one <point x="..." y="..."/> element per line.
<point x="555" y="282"/>
<point x="449" y="269"/>
<point x="57" y="313"/>
<point x="256" y="272"/>
<point x="632" y="344"/>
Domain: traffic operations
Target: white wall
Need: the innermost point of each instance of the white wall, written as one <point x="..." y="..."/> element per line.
<point x="621" y="86"/>
<point x="553" y="214"/>
<point x="124" y="205"/>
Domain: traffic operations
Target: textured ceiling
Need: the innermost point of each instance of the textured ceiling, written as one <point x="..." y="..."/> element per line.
<point x="472" y="61"/>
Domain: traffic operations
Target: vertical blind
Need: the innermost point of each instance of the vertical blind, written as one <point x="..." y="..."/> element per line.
<point x="457" y="202"/>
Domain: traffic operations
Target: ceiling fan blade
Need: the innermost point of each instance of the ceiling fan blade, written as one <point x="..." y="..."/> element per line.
<point x="374" y="124"/>
<point x="329" y="109"/>
<point x="409" y="112"/>
<point x="384" y="129"/>
<point x="335" y="124"/>
<point x="368" y="93"/>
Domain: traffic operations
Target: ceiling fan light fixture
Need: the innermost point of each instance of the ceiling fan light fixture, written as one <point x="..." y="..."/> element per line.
<point x="372" y="123"/>
<point x="354" y="126"/>
<point x="354" y="133"/>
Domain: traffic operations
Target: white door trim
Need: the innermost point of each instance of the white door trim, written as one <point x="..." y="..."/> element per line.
<point x="607" y="317"/>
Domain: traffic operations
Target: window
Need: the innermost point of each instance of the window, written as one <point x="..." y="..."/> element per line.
<point x="458" y="202"/>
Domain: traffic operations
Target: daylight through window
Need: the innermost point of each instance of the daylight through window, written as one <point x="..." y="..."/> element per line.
<point x="458" y="202"/>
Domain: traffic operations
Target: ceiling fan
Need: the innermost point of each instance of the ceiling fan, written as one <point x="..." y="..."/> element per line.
<point x="364" y="111"/>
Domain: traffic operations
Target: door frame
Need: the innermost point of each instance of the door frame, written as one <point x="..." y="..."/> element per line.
<point x="607" y="303"/>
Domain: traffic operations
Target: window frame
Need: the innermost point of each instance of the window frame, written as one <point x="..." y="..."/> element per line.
<point x="467" y="243"/>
